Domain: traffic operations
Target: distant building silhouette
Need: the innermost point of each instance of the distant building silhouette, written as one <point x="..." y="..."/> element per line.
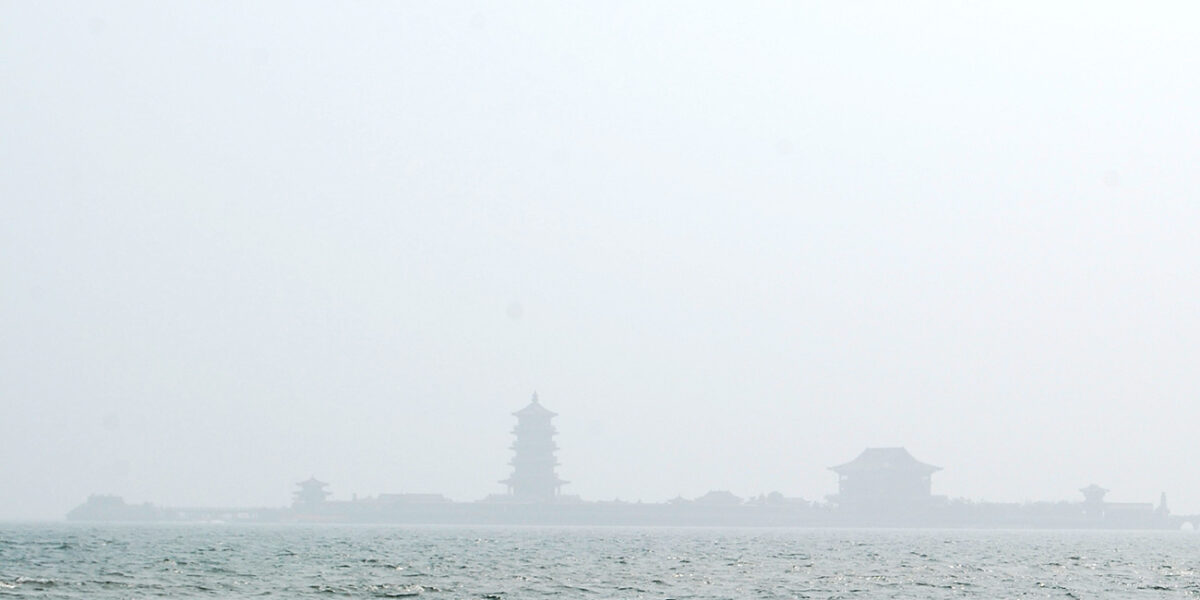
<point x="882" y="487"/>
<point x="533" y="461"/>
<point x="884" y="481"/>
<point x="1093" y="500"/>
<point x="311" y="493"/>
<point x="412" y="499"/>
<point x="719" y="498"/>
<point x="101" y="507"/>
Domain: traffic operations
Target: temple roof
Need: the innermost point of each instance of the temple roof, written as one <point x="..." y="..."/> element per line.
<point x="719" y="497"/>
<point x="312" y="481"/>
<point x="884" y="459"/>
<point x="535" y="408"/>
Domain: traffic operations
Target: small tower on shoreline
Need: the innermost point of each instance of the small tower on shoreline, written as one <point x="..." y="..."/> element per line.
<point x="533" y="462"/>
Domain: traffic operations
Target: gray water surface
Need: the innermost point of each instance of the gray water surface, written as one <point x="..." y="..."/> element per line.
<point x="82" y="561"/>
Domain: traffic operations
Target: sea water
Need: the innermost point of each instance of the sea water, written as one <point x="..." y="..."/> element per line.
<point x="225" y="561"/>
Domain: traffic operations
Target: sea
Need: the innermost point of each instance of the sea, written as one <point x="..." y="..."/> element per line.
<point x="333" y="561"/>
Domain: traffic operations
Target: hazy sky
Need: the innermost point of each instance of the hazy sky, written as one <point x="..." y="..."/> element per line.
<point x="732" y="244"/>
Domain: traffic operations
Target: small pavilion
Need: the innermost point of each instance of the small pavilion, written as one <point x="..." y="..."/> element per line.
<point x="311" y="492"/>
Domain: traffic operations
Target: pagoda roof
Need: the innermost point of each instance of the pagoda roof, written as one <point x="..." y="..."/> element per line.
<point x="312" y="481"/>
<point x="535" y="408"/>
<point x="884" y="459"/>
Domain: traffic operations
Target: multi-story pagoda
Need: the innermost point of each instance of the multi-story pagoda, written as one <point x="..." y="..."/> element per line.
<point x="533" y="476"/>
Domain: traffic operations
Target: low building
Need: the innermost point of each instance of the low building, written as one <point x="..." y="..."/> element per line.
<point x="719" y="498"/>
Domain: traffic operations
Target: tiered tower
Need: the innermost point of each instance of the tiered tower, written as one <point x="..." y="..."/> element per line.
<point x="533" y="462"/>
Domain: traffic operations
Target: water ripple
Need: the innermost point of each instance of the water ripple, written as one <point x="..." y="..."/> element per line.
<point x="103" y="562"/>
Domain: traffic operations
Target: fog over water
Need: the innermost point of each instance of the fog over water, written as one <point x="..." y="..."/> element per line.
<point x="730" y="244"/>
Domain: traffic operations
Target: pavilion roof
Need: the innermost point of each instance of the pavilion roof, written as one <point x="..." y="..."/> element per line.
<point x="884" y="459"/>
<point x="535" y="408"/>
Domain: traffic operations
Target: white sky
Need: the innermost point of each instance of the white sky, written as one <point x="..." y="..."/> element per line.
<point x="245" y="243"/>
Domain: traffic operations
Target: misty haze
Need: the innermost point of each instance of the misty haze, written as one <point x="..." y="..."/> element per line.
<point x="745" y="280"/>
